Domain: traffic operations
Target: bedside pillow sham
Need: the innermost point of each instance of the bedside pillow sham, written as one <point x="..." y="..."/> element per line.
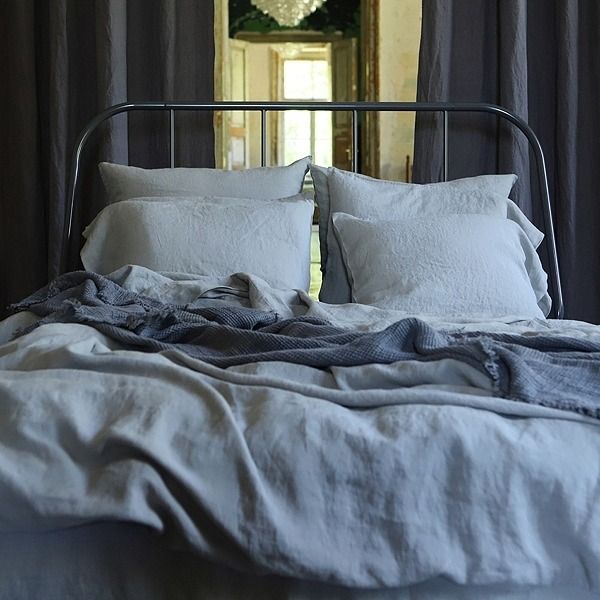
<point x="450" y="266"/>
<point x="369" y="198"/>
<point x="263" y="183"/>
<point x="205" y="236"/>
<point x="371" y="187"/>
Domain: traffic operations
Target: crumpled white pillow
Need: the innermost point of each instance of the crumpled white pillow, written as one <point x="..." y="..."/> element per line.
<point x="205" y="236"/>
<point x="263" y="183"/>
<point x="468" y="265"/>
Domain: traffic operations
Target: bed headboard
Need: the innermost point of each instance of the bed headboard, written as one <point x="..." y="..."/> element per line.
<point x="355" y="109"/>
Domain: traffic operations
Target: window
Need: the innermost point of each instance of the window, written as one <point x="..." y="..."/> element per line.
<point x="306" y="77"/>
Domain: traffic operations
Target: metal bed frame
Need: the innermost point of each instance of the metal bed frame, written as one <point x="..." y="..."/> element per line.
<point x="355" y="108"/>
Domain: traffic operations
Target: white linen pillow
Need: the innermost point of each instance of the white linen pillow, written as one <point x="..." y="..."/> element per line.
<point x="205" y="236"/>
<point x="263" y="183"/>
<point x="369" y="189"/>
<point x="452" y="265"/>
<point x="365" y="197"/>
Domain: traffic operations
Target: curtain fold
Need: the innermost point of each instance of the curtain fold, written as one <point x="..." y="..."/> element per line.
<point x="23" y="175"/>
<point x="63" y="61"/>
<point x="541" y="59"/>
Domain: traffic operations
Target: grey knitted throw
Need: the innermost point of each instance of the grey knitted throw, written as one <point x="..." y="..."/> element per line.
<point x="552" y="371"/>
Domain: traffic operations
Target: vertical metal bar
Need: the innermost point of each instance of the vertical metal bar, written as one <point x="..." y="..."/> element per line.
<point x="355" y="141"/>
<point x="172" y="138"/>
<point x="263" y="138"/>
<point x="557" y="297"/>
<point x="445" y="166"/>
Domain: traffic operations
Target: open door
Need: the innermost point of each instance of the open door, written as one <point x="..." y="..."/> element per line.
<point x="344" y="89"/>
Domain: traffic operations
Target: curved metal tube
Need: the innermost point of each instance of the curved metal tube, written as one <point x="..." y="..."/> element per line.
<point x="354" y="107"/>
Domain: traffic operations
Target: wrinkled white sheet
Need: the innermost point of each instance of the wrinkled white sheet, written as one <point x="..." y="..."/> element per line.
<point x="373" y="476"/>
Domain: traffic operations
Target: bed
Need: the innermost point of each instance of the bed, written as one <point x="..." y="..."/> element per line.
<point x="177" y="427"/>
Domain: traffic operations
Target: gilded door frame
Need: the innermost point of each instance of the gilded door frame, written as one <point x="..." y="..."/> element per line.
<point x="221" y="81"/>
<point x="369" y="84"/>
<point x="369" y="79"/>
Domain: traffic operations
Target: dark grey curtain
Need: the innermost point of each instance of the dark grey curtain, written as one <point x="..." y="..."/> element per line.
<point x="540" y="58"/>
<point x="61" y="62"/>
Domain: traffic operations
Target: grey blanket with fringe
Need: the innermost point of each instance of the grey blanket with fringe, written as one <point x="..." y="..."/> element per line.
<point x="552" y="371"/>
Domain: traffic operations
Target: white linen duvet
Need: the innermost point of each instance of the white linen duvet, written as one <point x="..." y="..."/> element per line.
<point x="380" y="477"/>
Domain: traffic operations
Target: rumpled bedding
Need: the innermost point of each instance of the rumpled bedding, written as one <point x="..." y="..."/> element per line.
<point x="372" y="476"/>
<point x="553" y="371"/>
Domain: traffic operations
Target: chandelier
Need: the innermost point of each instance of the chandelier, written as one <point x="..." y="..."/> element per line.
<point x="288" y="13"/>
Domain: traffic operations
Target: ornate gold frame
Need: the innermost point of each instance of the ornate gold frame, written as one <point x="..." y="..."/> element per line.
<point x="221" y="17"/>
<point x="369" y="80"/>
<point x="369" y="84"/>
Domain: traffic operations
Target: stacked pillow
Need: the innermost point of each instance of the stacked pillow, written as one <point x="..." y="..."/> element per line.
<point x="205" y="236"/>
<point x="458" y="248"/>
<point x="263" y="183"/>
<point x="352" y="253"/>
<point x="455" y="265"/>
<point x="204" y="222"/>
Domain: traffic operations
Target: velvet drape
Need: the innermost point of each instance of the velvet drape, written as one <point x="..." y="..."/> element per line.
<point x="63" y="61"/>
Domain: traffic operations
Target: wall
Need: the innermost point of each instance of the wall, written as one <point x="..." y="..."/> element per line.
<point x="399" y="36"/>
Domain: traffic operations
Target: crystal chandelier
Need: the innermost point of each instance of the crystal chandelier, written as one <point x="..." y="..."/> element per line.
<point x="288" y="12"/>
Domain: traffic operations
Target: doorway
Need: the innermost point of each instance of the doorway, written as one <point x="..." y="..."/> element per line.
<point x="371" y="47"/>
<point x="278" y="64"/>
